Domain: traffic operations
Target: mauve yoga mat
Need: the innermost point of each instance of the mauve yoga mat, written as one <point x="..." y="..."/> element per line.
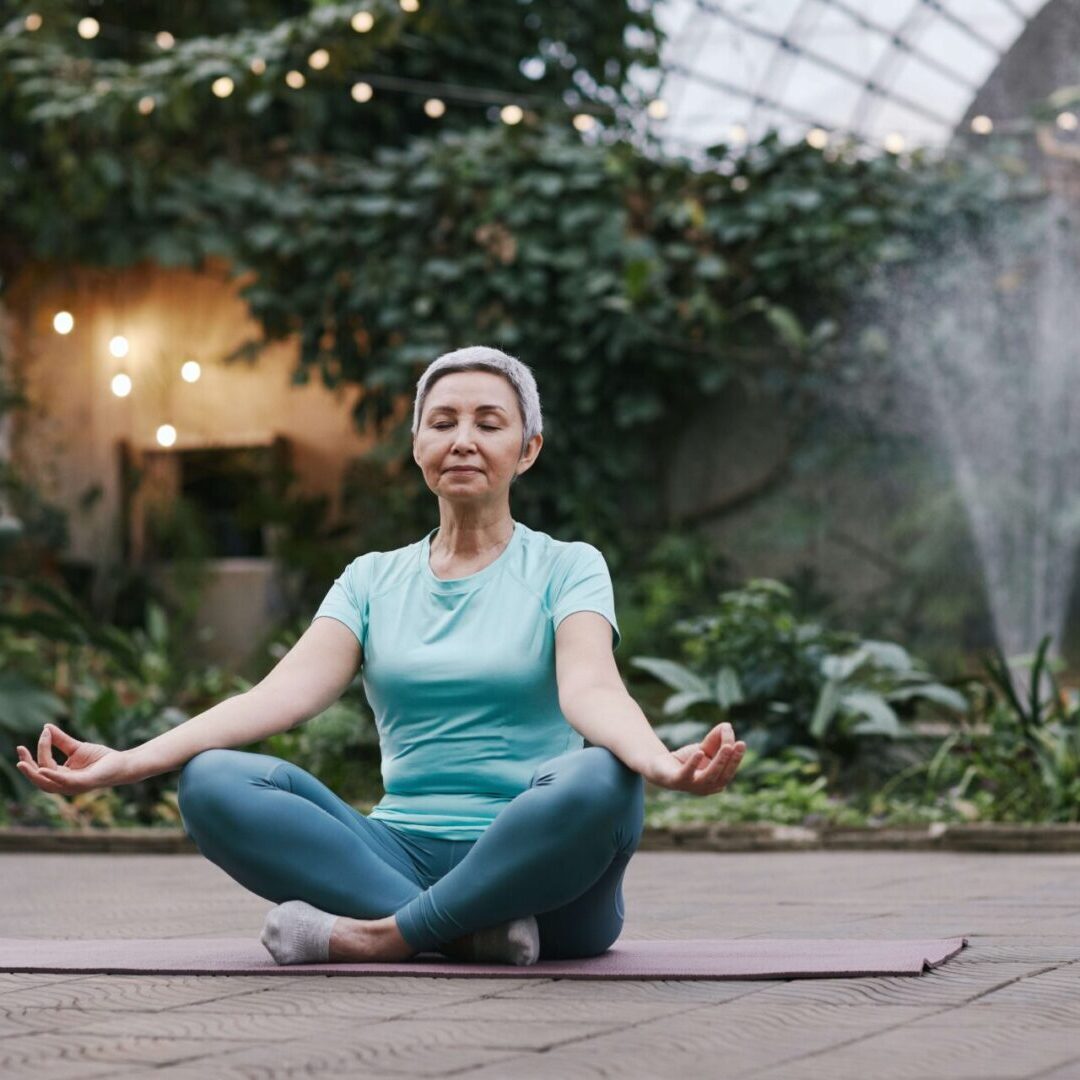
<point x="706" y="958"/>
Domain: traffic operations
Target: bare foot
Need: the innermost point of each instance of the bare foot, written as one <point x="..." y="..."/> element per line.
<point x="367" y="940"/>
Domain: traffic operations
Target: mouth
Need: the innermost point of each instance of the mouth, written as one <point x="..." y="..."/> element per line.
<point x="460" y="469"/>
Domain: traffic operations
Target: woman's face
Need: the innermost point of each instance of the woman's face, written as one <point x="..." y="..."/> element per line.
<point x="471" y="418"/>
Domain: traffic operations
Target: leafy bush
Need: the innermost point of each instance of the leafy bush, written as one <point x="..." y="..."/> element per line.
<point x="786" y="682"/>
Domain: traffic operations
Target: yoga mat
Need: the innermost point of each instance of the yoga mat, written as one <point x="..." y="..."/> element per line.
<point x="744" y="958"/>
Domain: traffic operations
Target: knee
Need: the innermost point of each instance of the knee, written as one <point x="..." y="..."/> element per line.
<point x="200" y="778"/>
<point x="605" y="786"/>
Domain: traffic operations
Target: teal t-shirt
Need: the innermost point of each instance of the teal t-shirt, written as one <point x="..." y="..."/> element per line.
<point x="460" y="674"/>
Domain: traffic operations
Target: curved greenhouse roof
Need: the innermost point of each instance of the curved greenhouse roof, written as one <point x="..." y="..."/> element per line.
<point x="895" y="73"/>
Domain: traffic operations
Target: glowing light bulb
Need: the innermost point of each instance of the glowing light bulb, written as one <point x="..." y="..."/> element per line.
<point x="657" y="109"/>
<point x="738" y="134"/>
<point x="164" y="39"/>
<point x="190" y="371"/>
<point x="32" y="22"/>
<point x="166" y="435"/>
<point x="88" y="28"/>
<point x="258" y="65"/>
<point x="584" y="122"/>
<point x="982" y="125"/>
<point x="223" y="86"/>
<point x="119" y="347"/>
<point x="63" y="322"/>
<point x="1067" y="121"/>
<point x="146" y="105"/>
<point x="295" y="79"/>
<point x="434" y="108"/>
<point x="319" y="59"/>
<point x="121" y="385"/>
<point x="410" y="5"/>
<point x="511" y="114"/>
<point x="362" y="22"/>
<point x="361" y="92"/>
<point x="818" y="138"/>
<point x="894" y="143"/>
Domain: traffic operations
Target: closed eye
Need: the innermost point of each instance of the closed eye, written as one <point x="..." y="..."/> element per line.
<point x="486" y="427"/>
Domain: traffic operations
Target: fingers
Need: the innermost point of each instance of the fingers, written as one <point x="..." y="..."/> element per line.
<point x="44" y="749"/>
<point x="724" y="763"/>
<point x="33" y="772"/>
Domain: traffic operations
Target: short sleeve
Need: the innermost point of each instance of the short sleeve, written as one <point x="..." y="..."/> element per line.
<point x="583" y="583"/>
<point x="347" y="600"/>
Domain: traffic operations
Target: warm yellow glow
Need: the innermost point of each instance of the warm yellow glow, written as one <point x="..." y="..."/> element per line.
<point x="818" y="138"/>
<point x="511" y="114"/>
<point x="319" y="59"/>
<point x="166" y="435"/>
<point x="32" y="22"/>
<point x="121" y="385"/>
<point x="88" y="28"/>
<point x="894" y="143"/>
<point x="982" y="125"/>
<point x="657" y="109"/>
<point x="362" y="22"/>
<point x="119" y="347"/>
<point x="164" y="39"/>
<point x="223" y="86"/>
<point x="434" y="108"/>
<point x="361" y="92"/>
<point x="410" y="5"/>
<point x="190" y="371"/>
<point x="1067" y="121"/>
<point x="258" y="65"/>
<point x="63" y="322"/>
<point x="146" y="105"/>
<point x="295" y="79"/>
<point x="584" y="122"/>
<point x="738" y="133"/>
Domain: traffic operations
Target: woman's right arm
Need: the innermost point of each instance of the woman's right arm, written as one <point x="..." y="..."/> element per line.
<point x="308" y="679"/>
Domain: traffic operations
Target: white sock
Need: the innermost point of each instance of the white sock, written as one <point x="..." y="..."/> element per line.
<point x="515" y="942"/>
<point x="297" y="933"/>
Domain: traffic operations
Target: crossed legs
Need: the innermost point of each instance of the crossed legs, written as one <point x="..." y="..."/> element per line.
<point x="558" y="851"/>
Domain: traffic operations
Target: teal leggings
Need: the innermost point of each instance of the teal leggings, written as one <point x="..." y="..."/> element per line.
<point x="557" y="851"/>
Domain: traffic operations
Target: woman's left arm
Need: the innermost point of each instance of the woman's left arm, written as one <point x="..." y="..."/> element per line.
<point x="596" y="703"/>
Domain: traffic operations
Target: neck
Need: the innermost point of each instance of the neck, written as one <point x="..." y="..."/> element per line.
<point x="473" y="538"/>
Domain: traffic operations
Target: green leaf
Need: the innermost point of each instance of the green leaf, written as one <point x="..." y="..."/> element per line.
<point x="673" y="674"/>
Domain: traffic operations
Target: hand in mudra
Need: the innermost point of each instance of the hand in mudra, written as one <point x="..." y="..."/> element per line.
<point x="88" y="766"/>
<point x="701" y="768"/>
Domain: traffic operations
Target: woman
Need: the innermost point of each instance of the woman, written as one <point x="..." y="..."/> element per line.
<point x="486" y="651"/>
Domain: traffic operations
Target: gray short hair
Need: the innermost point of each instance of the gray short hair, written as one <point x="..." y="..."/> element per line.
<point x="483" y="358"/>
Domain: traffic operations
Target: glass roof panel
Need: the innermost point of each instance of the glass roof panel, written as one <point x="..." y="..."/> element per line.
<point x="871" y="68"/>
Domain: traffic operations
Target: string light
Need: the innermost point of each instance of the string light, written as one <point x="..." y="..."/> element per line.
<point x="511" y="114"/>
<point x="434" y="108"/>
<point x="166" y="435"/>
<point x="584" y="122"/>
<point x="32" y="22"/>
<point x="121" y="385"/>
<point x="146" y="105"/>
<point x="223" y="86"/>
<point x="319" y="59"/>
<point x="164" y="39"/>
<point x="190" y="371"/>
<point x="818" y="138"/>
<point x="982" y="125"/>
<point x="295" y="79"/>
<point x="63" y="322"/>
<point x="88" y="28"/>
<point x="657" y="109"/>
<point x="894" y="142"/>
<point x="361" y="92"/>
<point x="1067" y="121"/>
<point x="362" y="22"/>
<point x="258" y="65"/>
<point x="410" y="5"/>
<point x="119" y="347"/>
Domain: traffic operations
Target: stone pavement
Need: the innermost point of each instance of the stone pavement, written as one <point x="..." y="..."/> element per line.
<point x="1008" y="1006"/>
